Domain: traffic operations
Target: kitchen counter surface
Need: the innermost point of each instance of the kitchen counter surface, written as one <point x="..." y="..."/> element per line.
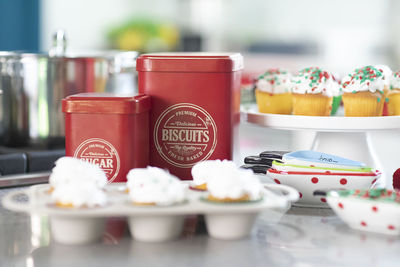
<point x="300" y="237"/>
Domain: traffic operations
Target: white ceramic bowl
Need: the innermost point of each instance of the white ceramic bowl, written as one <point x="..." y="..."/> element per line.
<point x="365" y="214"/>
<point x="308" y="182"/>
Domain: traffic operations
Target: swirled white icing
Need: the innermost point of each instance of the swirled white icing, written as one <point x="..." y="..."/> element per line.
<point x="315" y="81"/>
<point x="387" y="74"/>
<point x="275" y="81"/>
<point x="155" y="185"/>
<point x="77" y="183"/>
<point x="395" y="80"/>
<point x="228" y="181"/>
<point x="367" y="78"/>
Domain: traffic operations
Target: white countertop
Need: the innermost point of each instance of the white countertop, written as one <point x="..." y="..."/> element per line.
<point x="302" y="237"/>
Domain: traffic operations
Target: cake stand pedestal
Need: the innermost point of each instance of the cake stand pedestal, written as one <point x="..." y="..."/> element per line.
<point x="348" y="137"/>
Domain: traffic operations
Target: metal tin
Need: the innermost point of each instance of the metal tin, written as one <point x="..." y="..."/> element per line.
<point x="108" y="130"/>
<point x="195" y="107"/>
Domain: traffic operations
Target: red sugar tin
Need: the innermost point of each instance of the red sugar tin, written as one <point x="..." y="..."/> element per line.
<point x="108" y="130"/>
<point x="195" y="107"/>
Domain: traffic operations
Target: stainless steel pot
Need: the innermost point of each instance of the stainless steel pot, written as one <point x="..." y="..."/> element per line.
<point x="32" y="86"/>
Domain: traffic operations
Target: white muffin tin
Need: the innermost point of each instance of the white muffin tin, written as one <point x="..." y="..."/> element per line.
<point x="148" y="223"/>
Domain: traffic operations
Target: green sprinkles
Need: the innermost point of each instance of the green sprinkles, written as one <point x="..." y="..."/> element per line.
<point x="314" y="75"/>
<point x="377" y="194"/>
<point x="366" y="75"/>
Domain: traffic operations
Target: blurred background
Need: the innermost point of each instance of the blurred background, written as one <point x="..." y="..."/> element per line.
<point x="338" y="35"/>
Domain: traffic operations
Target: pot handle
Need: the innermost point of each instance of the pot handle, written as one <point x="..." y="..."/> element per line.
<point x="10" y="203"/>
<point x="290" y="193"/>
<point x="124" y="62"/>
<point x="59" y="45"/>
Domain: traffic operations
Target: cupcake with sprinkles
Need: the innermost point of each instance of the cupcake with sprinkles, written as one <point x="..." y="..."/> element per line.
<point x="313" y="90"/>
<point x="273" y="92"/>
<point x="363" y="92"/>
<point x="394" y="94"/>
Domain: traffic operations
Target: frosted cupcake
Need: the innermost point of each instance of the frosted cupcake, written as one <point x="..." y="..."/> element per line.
<point x="76" y="183"/>
<point x="394" y="95"/>
<point x="203" y="170"/>
<point x="363" y="92"/>
<point x="153" y="186"/>
<point x="273" y="92"/>
<point x="232" y="184"/>
<point x="313" y="90"/>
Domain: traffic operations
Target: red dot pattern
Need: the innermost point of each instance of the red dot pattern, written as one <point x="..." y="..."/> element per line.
<point x="340" y="205"/>
<point x="391" y="227"/>
<point x="374" y="209"/>
<point x="277" y="181"/>
<point x="363" y="223"/>
<point x="343" y="181"/>
<point x="314" y="180"/>
<point x="323" y="199"/>
<point x="300" y="195"/>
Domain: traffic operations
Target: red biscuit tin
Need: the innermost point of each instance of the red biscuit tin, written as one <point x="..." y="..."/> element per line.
<point x="108" y="130"/>
<point x="195" y="107"/>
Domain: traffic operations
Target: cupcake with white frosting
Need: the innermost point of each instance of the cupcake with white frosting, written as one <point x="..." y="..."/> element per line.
<point x="363" y="92"/>
<point x="273" y="92"/>
<point x="155" y="187"/>
<point x="228" y="183"/>
<point x="313" y="90"/>
<point x="75" y="183"/>
<point x="203" y="170"/>
<point x="394" y="94"/>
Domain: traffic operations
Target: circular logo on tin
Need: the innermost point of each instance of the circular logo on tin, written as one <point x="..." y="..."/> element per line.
<point x="101" y="153"/>
<point x="185" y="134"/>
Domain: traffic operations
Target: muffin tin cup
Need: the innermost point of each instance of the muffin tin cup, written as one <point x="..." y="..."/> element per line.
<point x="75" y="230"/>
<point x="156" y="228"/>
<point x="230" y="226"/>
<point x="75" y="226"/>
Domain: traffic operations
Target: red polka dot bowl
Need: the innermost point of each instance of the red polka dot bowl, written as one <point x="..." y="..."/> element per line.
<point x="308" y="182"/>
<point x="367" y="210"/>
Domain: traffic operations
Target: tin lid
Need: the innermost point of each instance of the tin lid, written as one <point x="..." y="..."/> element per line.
<point x="190" y="62"/>
<point x="106" y="103"/>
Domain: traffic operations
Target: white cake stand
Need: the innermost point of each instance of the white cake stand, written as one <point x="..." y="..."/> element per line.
<point x="348" y="137"/>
